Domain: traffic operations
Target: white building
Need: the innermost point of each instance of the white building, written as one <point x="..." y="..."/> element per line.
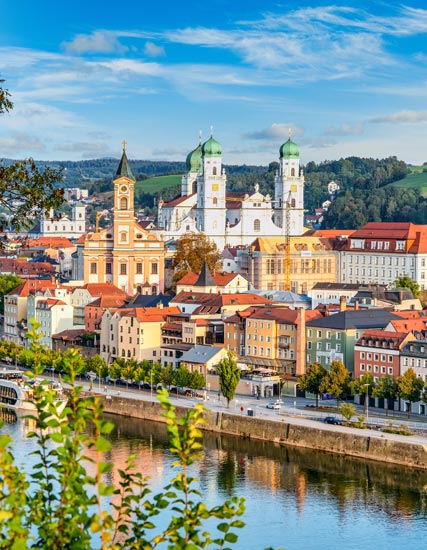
<point x="61" y="225"/>
<point x="233" y="219"/>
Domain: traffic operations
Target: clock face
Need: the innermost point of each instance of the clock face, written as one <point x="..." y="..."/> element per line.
<point x="123" y="189"/>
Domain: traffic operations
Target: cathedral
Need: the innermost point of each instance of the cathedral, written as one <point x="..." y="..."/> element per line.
<point x="233" y="219"/>
<point x="125" y="253"/>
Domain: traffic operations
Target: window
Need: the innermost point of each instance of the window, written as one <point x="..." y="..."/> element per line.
<point x="215" y="201"/>
<point x="108" y="268"/>
<point x="139" y="268"/>
<point x="257" y="225"/>
<point x="93" y="268"/>
<point x="362" y="366"/>
<point x="123" y="203"/>
<point x="123" y="269"/>
<point x="123" y="237"/>
<point x="319" y="345"/>
<point x="319" y="334"/>
<point x="154" y="268"/>
<point x="309" y="345"/>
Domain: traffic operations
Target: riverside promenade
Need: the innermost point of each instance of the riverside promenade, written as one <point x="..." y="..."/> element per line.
<point x="286" y="426"/>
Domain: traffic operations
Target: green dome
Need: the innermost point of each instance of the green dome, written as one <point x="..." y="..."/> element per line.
<point x="194" y="159"/>
<point x="211" y="148"/>
<point x="289" y="150"/>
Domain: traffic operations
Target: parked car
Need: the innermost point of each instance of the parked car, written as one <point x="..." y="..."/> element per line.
<point x="274" y="405"/>
<point x="332" y="420"/>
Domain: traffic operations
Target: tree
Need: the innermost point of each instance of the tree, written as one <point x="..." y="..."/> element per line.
<point x="409" y="388"/>
<point x="386" y="389"/>
<point x="229" y="376"/>
<point x="193" y="250"/>
<point x="406" y="282"/>
<point x="167" y="376"/>
<point x="337" y="381"/>
<point x="348" y="411"/>
<point x="98" y="365"/>
<point x="25" y="191"/>
<point x="64" y="501"/>
<point x="7" y="283"/>
<point x="312" y="380"/>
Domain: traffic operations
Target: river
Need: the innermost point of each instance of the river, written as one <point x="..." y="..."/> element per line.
<point x="296" y="499"/>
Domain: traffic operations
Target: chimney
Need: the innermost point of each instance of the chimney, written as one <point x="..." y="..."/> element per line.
<point x="356" y="304"/>
<point x="343" y="303"/>
<point x="301" y="344"/>
<point x="160" y="305"/>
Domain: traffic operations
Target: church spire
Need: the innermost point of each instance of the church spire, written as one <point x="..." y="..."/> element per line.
<point x="124" y="168"/>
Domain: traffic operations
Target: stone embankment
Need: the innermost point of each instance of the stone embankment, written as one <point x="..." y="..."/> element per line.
<point x="284" y="430"/>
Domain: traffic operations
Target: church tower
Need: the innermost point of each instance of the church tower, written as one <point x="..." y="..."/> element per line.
<point x="211" y="191"/>
<point x="123" y="220"/>
<point x="289" y="191"/>
<point x="194" y="167"/>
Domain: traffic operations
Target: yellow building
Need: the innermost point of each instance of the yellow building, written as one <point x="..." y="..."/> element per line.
<point x="311" y="260"/>
<point x="124" y="254"/>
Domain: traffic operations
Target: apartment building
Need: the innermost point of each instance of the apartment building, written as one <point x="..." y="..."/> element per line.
<point x="413" y="355"/>
<point x="311" y="260"/>
<point x="133" y="333"/>
<point x="381" y="252"/>
<point x="378" y="352"/>
<point x="270" y="337"/>
<point x="334" y="337"/>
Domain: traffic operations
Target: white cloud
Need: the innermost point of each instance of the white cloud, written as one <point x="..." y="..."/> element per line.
<point x="402" y="117"/>
<point x="153" y="50"/>
<point x="20" y="141"/>
<point x="345" y="130"/>
<point x="275" y="131"/>
<point x="98" y="42"/>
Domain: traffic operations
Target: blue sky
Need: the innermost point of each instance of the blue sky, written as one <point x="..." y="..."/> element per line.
<point x="348" y="78"/>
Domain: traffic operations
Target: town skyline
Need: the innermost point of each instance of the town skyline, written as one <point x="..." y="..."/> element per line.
<point x="157" y="75"/>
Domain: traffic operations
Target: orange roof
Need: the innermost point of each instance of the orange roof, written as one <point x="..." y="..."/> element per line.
<point x="30" y="286"/>
<point x="220" y="279"/>
<point x="219" y="300"/>
<point x="382" y="335"/>
<point x="49" y="242"/>
<point x="103" y="289"/>
<point x="414" y="325"/>
<point x="51" y="302"/>
<point x="283" y="314"/>
<point x="149" y="314"/>
<point x="411" y="314"/>
<point x="108" y="302"/>
<point x="178" y="200"/>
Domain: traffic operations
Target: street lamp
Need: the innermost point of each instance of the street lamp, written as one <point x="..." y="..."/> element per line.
<point x="367" y="401"/>
<point x="151" y="383"/>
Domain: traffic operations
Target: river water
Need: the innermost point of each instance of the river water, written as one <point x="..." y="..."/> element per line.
<point x="295" y="499"/>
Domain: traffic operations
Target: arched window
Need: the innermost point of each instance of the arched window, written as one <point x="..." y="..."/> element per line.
<point x="293" y="203"/>
<point x="123" y="237"/>
<point x="215" y="201"/>
<point x="214" y="171"/>
<point x="292" y="171"/>
<point x="257" y="225"/>
<point x="194" y="186"/>
<point x="123" y="203"/>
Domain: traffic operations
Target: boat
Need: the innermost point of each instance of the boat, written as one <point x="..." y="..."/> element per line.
<point x="17" y="393"/>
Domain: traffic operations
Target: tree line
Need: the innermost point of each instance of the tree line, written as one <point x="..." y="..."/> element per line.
<point x="339" y="383"/>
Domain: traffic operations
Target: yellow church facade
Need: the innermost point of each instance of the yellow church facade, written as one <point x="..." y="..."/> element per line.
<point x="125" y="254"/>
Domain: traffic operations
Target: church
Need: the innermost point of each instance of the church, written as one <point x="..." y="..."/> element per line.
<point x="125" y="253"/>
<point x="234" y="219"/>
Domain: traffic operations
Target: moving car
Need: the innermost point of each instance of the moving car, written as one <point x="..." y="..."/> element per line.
<point x="332" y="420"/>
<point x="274" y="405"/>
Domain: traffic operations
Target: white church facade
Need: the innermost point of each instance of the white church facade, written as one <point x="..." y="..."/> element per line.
<point x="234" y="219"/>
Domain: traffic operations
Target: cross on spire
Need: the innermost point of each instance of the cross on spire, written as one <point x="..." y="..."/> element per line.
<point x="211" y="131"/>
<point x="289" y="132"/>
<point x="124" y="143"/>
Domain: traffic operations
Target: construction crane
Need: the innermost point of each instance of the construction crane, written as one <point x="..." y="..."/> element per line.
<point x="287" y="223"/>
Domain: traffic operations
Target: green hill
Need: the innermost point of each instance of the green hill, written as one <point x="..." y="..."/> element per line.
<point x="158" y="184"/>
<point x="415" y="180"/>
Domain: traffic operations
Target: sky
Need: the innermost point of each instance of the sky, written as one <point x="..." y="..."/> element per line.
<point x="346" y="78"/>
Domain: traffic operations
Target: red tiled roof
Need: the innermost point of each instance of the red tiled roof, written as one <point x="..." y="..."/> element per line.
<point x="414" y="325"/>
<point x="103" y="289"/>
<point x="381" y="335"/>
<point x="283" y="314"/>
<point x="30" y="286"/>
<point x="51" y="302"/>
<point x="220" y="279"/>
<point x="108" y="302"/>
<point x="178" y="200"/>
<point x="49" y="242"/>
<point x="218" y="300"/>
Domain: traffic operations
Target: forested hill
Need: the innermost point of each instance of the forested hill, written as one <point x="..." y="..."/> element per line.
<point x="365" y="192"/>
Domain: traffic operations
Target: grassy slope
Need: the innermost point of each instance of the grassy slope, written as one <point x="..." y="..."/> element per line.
<point x="158" y="183"/>
<point x="415" y="180"/>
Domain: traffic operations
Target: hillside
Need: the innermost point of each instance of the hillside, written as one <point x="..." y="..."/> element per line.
<point x="417" y="179"/>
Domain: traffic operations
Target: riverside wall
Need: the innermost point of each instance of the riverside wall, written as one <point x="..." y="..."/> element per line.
<point x="367" y="445"/>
